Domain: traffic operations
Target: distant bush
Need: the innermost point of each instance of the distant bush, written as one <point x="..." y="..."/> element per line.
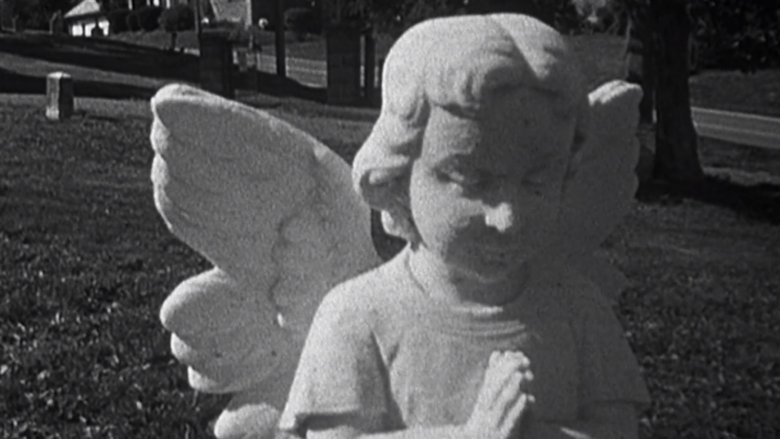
<point x="117" y="20"/>
<point x="131" y="20"/>
<point x="302" y="21"/>
<point x="179" y="17"/>
<point x="148" y="17"/>
<point x="735" y="34"/>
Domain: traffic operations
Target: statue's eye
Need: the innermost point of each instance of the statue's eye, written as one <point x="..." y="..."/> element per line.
<point x="536" y="180"/>
<point x="540" y="175"/>
<point x="467" y="179"/>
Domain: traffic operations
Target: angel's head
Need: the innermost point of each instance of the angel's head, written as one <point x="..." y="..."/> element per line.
<point x="481" y="121"/>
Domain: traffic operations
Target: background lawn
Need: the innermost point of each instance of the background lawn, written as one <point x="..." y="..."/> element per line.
<point x="86" y="263"/>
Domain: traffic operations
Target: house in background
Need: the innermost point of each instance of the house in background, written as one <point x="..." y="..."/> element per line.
<point x="85" y="18"/>
<point x="250" y="11"/>
<point x="88" y="15"/>
<point x="135" y="4"/>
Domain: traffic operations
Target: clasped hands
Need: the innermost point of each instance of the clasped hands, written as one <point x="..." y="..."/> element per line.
<point x="504" y="404"/>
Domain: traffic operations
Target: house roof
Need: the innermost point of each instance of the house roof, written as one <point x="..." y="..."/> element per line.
<point x="86" y="7"/>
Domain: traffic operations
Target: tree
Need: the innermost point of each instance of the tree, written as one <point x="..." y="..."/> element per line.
<point x="658" y="54"/>
<point x="732" y="34"/>
<point x="737" y="34"/>
<point x="172" y="20"/>
<point x="390" y="17"/>
<point x="36" y="13"/>
<point x="112" y="5"/>
<point x="676" y="144"/>
<point x="543" y="10"/>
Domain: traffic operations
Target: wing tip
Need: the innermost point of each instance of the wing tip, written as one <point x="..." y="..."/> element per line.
<point x="167" y="103"/>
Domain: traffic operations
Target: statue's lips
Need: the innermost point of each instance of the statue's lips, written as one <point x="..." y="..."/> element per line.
<point x="499" y="253"/>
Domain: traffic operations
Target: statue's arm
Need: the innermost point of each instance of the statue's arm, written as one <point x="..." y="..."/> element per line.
<point x="603" y="421"/>
<point x="615" y="420"/>
<point x="355" y="427"/>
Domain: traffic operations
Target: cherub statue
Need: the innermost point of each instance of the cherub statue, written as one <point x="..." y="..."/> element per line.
<point x="494" y="321"/>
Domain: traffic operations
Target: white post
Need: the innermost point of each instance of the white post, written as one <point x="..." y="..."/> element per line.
<point x="59" y="96"/>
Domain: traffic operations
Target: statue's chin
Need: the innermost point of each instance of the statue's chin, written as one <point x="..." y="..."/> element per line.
<point x="498" y="271"/>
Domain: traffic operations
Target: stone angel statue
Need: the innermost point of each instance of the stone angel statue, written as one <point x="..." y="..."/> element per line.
<point x="275" y="211"/>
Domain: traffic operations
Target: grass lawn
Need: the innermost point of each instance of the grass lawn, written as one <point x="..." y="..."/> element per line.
<point x="86" y="262"/>
<point x="602" y="59"/>
<point x="308" y="47"/>
<point x="135" y="64"/>
<point x="99" y="67"/>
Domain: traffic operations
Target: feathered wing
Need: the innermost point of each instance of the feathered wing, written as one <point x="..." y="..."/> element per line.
<point x="601" y="192"/>
<point x="274" y="210"/>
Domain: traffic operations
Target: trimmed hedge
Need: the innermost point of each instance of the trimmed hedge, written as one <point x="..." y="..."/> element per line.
<point x="146" y="18"/>
<point x="302" y="21"/>
<point x="177" y="18"/>
<point x="117" y="20"/>
<point x="131" y="20"/>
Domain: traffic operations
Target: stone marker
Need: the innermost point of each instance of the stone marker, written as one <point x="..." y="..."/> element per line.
<point x="59" y="96"/>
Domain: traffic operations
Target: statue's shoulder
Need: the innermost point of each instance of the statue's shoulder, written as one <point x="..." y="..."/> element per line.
<point x="369" y="293"/>
<point x="567" y="289"/>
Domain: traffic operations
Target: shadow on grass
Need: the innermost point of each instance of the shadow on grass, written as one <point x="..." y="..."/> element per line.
<point x="272" y="85"/>
<point x="759" y="202"/>
<point x="268" y="84"/>
<point x="11" y="82"/>
<point x="102" y="54"/>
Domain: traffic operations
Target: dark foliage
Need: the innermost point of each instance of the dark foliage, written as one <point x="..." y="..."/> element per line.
<point x="36" y="13"/>
<point x="737" y="34"/>
<point x="728" y="34"/>
<point x="176" y="18"/>
<point x="90" y="261"/>
<point x="148" y="17"/>
<point x="302" y="21"/>
<point x="112" y="5"/>
<point x="391" y="16"/>
<point x="132" y="22"/>
<point x="86" y="263"/>
<point x="118" y="20"/>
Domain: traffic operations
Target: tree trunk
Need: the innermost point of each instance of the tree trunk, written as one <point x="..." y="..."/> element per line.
<point x="640" y="55"/>
<point x="281" y="52"/>
<point x="640" y="58"/>
<point x="676" y="146"/>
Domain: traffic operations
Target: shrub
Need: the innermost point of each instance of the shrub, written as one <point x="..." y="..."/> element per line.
<point x="131" y="20"/>
<point x="302" y="21"/>
<point x="117" y="20"/>
<point x="736" y="34"/>
<point x="179" y="17"/>
<point x="148" y="17"/>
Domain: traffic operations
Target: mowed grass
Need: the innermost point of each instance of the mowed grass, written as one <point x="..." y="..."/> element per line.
<point x="86" y="263"/>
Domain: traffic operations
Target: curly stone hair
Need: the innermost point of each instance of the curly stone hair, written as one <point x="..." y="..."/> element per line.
<point x="458" y="63"/>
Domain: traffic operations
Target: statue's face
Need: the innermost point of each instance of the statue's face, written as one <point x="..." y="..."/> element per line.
<point x="485" y="192"/>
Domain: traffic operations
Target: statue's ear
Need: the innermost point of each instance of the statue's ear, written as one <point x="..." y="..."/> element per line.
<point x="381" y="187"/>
<point x="387" y="190"/>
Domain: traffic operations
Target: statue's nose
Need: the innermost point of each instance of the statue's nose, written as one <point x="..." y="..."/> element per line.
<point x="501" y="217"/>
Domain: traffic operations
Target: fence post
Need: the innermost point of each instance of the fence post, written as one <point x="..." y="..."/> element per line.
<point x="216" y="63"/>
